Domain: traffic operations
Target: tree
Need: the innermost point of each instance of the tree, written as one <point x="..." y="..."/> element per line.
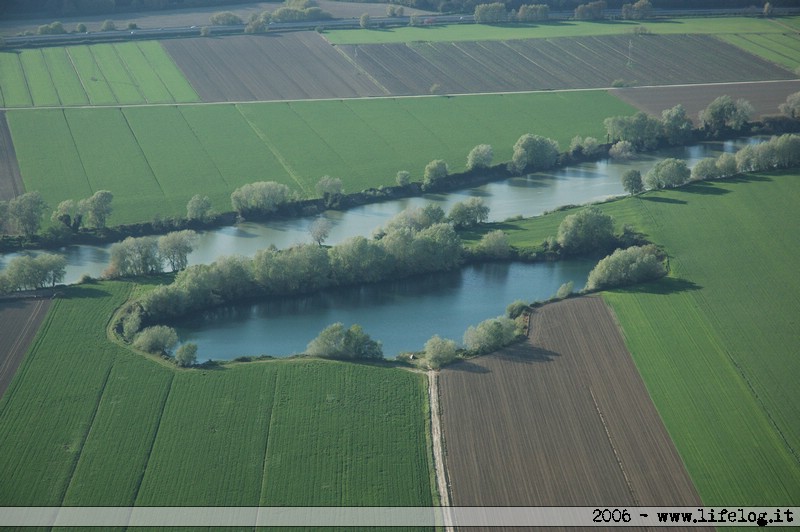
<point x="632" y="182"/>
<point x="174" y="248"/>
<point x="491" y="13"/>
<point x="626" y="266"/>
<point x="358" y="260"/>
<point x="339" y="343"/>
<point x="97" y="208"/>
<point x="186" y="355"/>
<point x="29" y="273"/>
<point x="403" y="178"/>
<point x="767" y="9"/>
<point x="480" y="157"/>
<point x="490" y="335"/>
<point x="641" y="130"/>
<point x="134" y="256"/>
<point x="435" y="171"/>
<point x="534" y="152"/>
<point x="260" y="197"/>
<point x="591" y="11"/>
<point x="724" y="113"/>
<point x="565" y="290"/>
<point x="515" y="309"/>
<point x="440" y="351"/>
<point x="622" y="150"/>
<point x="726" y="164"/>
<point x="205" y="31"/>
<point x="533" y="12"/>
<point x="329" y="188"/>
<point x="495" y="245"/>
<point x="320" y="229"/>
<point x="226" y="18"/>
<point x="68" y="214"/>
<point x="365" y="21"/>
<point x="108" y="25"/>
<point x="791" y="107"/>
<point x="677" y="125"/>
<point x="642" y="9"/>
<point x="468" y="213"/>
<point x="26" y="211"/>
<point x="705" y="169"/>
<point x="80" y="28"/>
<point x="667" y="173"/>
<point x="158" y="339"/>
<point x="198" y="208"/>
<point x="589" y="230"/>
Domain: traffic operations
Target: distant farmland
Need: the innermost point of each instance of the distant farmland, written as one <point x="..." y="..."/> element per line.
<point x="561" y="420"/>
<point x="100" y="74"/>
<point x="155" y="158"/>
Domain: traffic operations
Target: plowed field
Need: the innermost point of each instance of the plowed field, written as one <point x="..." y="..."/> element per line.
<point x="563" y="419"/>
<point x="19" y="321"/>
<point x="10" y="179"/>
<point x="765" y="97"/>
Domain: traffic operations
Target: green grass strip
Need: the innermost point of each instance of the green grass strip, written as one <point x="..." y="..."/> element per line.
<point x="91" y="75"/>
<point x="119" y="80"/>
<point x="38" y="78"/>
<point x="150" y="85"/>
<point x="168" y="72"/>
<point x="12" y="81"/>
<point x="67" y="83"/>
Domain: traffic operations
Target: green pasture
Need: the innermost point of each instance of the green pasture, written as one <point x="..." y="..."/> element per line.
<point x="780" y="48"/>
<point x="153" y="159"/>
<point x="716" y="340"/>
<point x="568" y="28"/>
<point x="101" y="74"/>
<point x="88" y="423"/>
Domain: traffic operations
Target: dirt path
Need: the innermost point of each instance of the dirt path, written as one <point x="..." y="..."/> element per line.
<point x="19" y="321"/>
<point x="11" y="184"/>
<point x="436" y="441"/>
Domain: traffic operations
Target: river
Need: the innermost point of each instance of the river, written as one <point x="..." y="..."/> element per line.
<point x="529" y="195"/>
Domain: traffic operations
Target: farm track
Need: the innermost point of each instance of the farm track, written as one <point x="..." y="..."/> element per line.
<point x="11" y="184"/>
<point x="19" y="322"/>
<point x="562" y="419"/>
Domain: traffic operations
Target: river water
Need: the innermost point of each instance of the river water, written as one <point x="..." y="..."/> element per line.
<point x="529" y="195"/>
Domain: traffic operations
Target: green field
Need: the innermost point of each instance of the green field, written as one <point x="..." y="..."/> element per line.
<point x="87" y="422"/>
<point x="153" y="159"/>
<point x="503" y="32"/>
<point x="101" y="74"/>
<point x="716" y="341"/>
<point x="780" y="48"/>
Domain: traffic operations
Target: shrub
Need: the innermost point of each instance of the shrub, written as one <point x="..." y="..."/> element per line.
<point x="726" y="164"/>
<point x="490" y="335"/>
<point x="705" y="169"/>
<point x="198" y="208"/>
<point x="622" y="150"/>
<point x="440" y="351"/>
<point x="131" y="324"/>
<point x="132" y="26"/>
<point x="495" y="245"/>
<point x="226" y="18"/>
<point x="108" y="25"/>
<point x="157" y="339"/>
<point x="337" y="342"/>
<point x="80" y="28"/>
<point x="468" y="213"/>
<point x="565" y="290"/>
<point x="587" y="231"/>
<point x="480" y="157"/>
<point x="186" y="355"/>
<point x="403" y="178"/>
<point x="515" y="309"/>
<point x="205" y="31"/>
<point x="667" y="173"/>
<point x="435" y="171"/>
<point x="365" y="21"/>
<point x="626" y="266"/>
<point x="260" y="197"/>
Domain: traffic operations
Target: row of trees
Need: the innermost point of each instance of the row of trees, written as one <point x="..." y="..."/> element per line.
<point x="148" y="255"/>
<point x="89" y="212"/>
<point x="30" y="273"/>
<point x="22" y="214"/>
<point x="497" y="12"/>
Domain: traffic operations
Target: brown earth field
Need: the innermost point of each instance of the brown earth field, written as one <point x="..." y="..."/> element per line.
<point x="19" y="321"/>
<point x="279" y="66"/>
<point x="562" y="419"/>
<point x="11" y="184"/>
<point x="304" y="65"/>
<point x="764" y="96"/>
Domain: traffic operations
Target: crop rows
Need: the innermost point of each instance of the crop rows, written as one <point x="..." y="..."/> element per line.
<point x="102" y="74"/>
<point x="153" y="159"/>
<point x="780" y="48"/>
<point x="88" y="423"/>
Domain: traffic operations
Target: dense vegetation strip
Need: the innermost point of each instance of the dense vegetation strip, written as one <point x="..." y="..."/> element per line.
<point x="87" y="422"/>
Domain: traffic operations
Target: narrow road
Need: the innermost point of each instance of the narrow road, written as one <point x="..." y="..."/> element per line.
<point x="436" y="442"/>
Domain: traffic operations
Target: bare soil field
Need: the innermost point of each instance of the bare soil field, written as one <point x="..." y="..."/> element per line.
<point x="10" y="179"/>
<point x="19" y="321"/>
<point x="562" y="419"/>
<point x="282" y="66"/>
<point x="561" y="63"/>
<point x="764" y="96"/>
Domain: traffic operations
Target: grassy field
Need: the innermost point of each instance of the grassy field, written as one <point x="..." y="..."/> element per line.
<point x="780" y="48"/>
<point x="101" y="74"/>
<point x="501" y="32"/>
<point x="153" y="159"/>
<point x="716" y="340"/>
<point x="87" y="422"/>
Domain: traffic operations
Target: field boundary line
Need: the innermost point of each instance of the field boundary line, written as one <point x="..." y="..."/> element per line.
<point x="156" y="73"/>
<point x="138" y="487"/>
<point x="50" y="75"/>
<point x="131" y="76"/>
<point x="25" y="79"/>
<point x="202" y="145"/>
<point x="77" y="151"/>
<point x="141" y="150"/>
<point x="269" y="434"/>
<point x="613" y="448"/>
<point x="271" y="147"/>
<point x="353" y="62"/>
<point x="80" y="78"/>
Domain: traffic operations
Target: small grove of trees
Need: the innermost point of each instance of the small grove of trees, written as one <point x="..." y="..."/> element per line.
<point x="344" y="344"/>
<point x="644" y="132"/>
<point x="394" y="11"/>
<point x="198" y="209"/>
<point x="480" y="157"/>
<point x="93" y="211"/>
<point x="54" y="28"/>
<point x="23" y="213"/>
<point x="491" y="13"/>
<point x="591" y="11"/>
<point x="534" y="152"/>
<point x="622" y="150"/>
<point x="148" y="255"/>
<point x="724" y="113"/>
<point x="226" y="18"/>
<point x="667" y="173"/>
<point x="588" y="231"/>
<point x="440" y="351"/>
<point x="158" y="339"/>
<point x="297" y="14"/>
<point x="642" y="9"/>
<point x="490" y="335"/>
<point x="30" y="273"/>
<point x="533" y="12"/>
<point x="626" y="266"/>
<point x="587" y="147"/>
<point x="468" y="213"/>
<point x="260" y="198"/>
<point x="435" y="171"/>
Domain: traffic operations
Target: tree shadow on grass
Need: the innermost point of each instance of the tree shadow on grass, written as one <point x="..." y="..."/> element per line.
<point x="706" y="189"/>
<point x="664" y="286"/>
<point x="661" y="199"/>
<point x="83" y="292"/>
<point x="751" y="178"/>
